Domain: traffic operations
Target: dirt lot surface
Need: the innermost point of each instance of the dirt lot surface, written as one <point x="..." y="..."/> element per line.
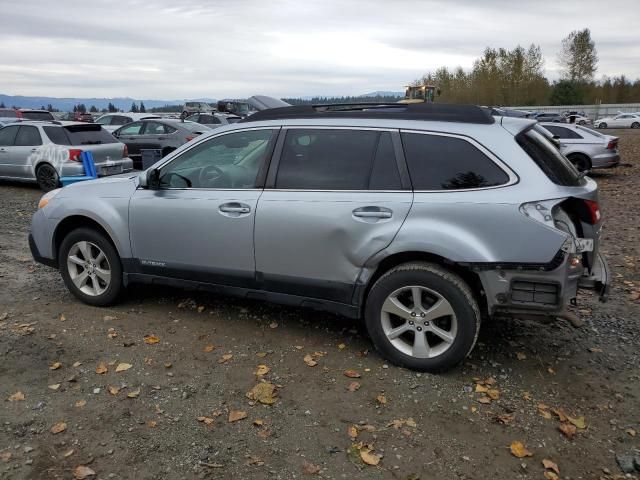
<point x="167" y="413"/>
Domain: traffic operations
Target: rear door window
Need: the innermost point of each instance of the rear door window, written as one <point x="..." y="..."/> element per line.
<point x="28" y="136"/>
<point x="8" y="136"/>
<point x="555" y="165"/>
<point x="333" y="159"/>
<point x="562" y="132"/>
<point x="133" y="129"/>
<point x="155" y="128"/>
<point x="438" y="162"/>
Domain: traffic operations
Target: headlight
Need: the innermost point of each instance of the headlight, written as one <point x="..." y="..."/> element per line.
<point x="47" y="197"/>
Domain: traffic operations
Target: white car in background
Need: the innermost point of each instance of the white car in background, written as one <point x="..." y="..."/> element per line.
<point x="113" y="121"/>
<point x="622" y="120"/>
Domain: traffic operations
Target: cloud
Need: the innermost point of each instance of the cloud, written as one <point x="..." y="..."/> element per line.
<point x="217" y="48"/>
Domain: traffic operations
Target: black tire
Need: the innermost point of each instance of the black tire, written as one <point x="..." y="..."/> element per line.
<point x="635" y="125"/>
<point x="581" y="162"/>
<point x="110" y="295"/>
<point x="447" y="284"/>
<point x="582" y="122"/>
<point x="47" y="177"/>
<point x="602" y="125"/>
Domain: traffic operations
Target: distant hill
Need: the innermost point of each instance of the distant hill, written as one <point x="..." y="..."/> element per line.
<point x="383" y="93"/>
<point x="66" y="104"/>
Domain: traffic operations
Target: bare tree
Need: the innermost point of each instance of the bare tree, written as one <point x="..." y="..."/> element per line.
<point x="578" y="57"/>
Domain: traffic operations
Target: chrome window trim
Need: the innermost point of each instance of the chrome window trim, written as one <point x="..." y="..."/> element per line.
<point x="513" y="177"/>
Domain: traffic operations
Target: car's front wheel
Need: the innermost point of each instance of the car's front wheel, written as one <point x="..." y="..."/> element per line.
<point x="90" y="267"/>
<point x="602" y="125"/>
<point x="422" y="317"/>
<point x="635" y="125"/>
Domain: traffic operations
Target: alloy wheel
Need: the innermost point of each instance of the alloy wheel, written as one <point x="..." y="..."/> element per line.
<point x="89" y="268"/>
<point x="419" y="321"/>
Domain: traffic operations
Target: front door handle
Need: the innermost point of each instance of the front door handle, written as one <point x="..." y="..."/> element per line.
<point x="372" y="212"/>
<point x="234" y="209"/>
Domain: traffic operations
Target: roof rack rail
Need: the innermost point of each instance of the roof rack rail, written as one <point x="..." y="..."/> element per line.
<point x="401" y="111"/>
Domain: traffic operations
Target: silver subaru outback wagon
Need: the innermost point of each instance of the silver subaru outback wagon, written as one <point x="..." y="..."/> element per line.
<point x="421" y="219"/>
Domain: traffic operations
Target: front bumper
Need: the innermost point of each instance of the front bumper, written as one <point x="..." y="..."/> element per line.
<point x="49" y="262"/>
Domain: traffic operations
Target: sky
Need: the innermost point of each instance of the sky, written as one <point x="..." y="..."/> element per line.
<point x="177" y="49"/>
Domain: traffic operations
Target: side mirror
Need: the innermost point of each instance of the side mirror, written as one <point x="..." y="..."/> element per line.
<point x="149" y="179"/>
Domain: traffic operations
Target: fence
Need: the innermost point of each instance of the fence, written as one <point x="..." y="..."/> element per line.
<point x="592" y="111"/>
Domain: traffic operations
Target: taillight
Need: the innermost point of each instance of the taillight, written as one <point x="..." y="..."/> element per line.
<point x="19" y="114"/>
<point x="125" y="152"/>
<point x="594" y="211"/>
<point x="74" y="154"/>
<point x="190" y="137"/>
<point x="612" y="145"/>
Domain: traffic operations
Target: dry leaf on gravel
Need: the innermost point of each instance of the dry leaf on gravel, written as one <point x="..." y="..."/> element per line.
<point x="208" y="348"/>
<point x="152" y="423"/>
<point x="353" y="386"/>
<point x="111" y="333"/>
<point x="549" y="475"/>
<point x="5" y="456"/>
<point x="381" y="399"/>
<point x="264" y="393"/>
<point x="235" y="415"/>
<point x="309" y="468"/>
<point x="151" y="339"/>
<point x="481" y="388"/>
<point x="308" y="359"/>
<point x="560" y="413"/>
<point x="631" y="431"/>
<point x="134" y="393"/>
<point x="577" y="422"/>
<point x="261" y="354"/>
<point x="341" y="346"/>
<point x="521" y="356"/>
<point x="484" y="400"/>
<point x="258" y="422"/>
<point x="368" y="457"/>
<point x="352" y="432"/>
<point x="113" y="390"/>
<point x="68" y="453"/>
<point x="409" y="422"/>
<point x="81" y="403"/>
<point x="544" y="411"/>
<point x="505" y="418"/>
<point x="102" y="368"/>
<point x="568" y="430"/>
<point x="225" y="358"/>
<point x="59" y="427"/>
<point x="205" y="420"/>
<point x="352" y="374"/>
<point x="551" y="465"/>
<point x="81" y="472"/>
<point x="261" y="370"/>
<point x="122" y="367"/>
<point x="55" y="386"/>
<point x="16" y="397"/>
<point x="493" y="393"/>
<point x="519" y="450"/>
<point x="55" y="366"/>
<point x="273" y="325"/>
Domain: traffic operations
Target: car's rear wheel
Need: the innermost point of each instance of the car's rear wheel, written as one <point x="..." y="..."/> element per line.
<point x="47" y="177"/>
<point x="581" y="162"/>
<point x="602" y="125"/>
<point x="635" y="125"/>
<point x="582" y="122"/>
<point x="422" y="317"/>
<point x="90" y="267"/>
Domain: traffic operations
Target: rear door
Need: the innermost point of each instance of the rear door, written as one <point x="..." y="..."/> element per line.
<point x="155" y="135"/>
<point x="334" y="198"/>
<point x="131" y="134"/>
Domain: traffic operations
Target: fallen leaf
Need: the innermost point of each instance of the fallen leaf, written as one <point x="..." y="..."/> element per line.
<point x="59" y="427"/>
<point x="595" y="350"/>
<point x="551" y="465"/>
<point x="81" y="472"/>
<point x="353" y="386"/>
<point x="549" y="475"/>
<point x="568" y="430"/>
<point x="409" y="422"/>
<point x="631" y="431"/>
<point x="484" y="400"/>
<point x="225" y="358"/>
<point x="273" y="325"/>
<point x="560" y="413"/>
<point x="544" y="411"/>
<point x="521" y="356"/>
<point x="62" y="317"/>
<point x="81" y="403"/>
<point x="381" y="399"/>
<point x="68" y="453"/>
<point x="102" y="368"/>
<point x="111" y="333"/>
<point x="264" y="434"/>
<point x="352" y="374"/>
<point x="526" y="396"/>
<point x="55" y="386"/>
<point x="122" y="367"/>
<point x="77" y="364"/>
<point x="55" y="366"/>
<point x="151" y="339"/>
<point x="152" y="423"/>
<point x="261" y="354"/>
<point x="577" y="422"/>
<point x="200" y="309"/>
<point x="264" y="393"/>
<point x="481" y="388"/>
<point x="109" y="318"/>
<point x="551" y="371"/>
<point x="206" y="420"/>
<point x="309" y="468"/>
<point x="308" y="359"/>
<point x="261" y="370"/>
<point x="258" y="422"/>
<point x="368" y="457"/>
<point x="352" y="431"/>
<point x="254" y="460"/>
<point x="16" y="397"/>
<point x="341" y="346"/>
<point x="519" y="450"/>
<point x="134" y="393"/>
<point x="114" y="390"/>
<point x="494" y="394"/>
<point x="5" y="456"/>
<point x="235" y="415"/>
<point x="209" y="348"/>
<point x="505" y="418"/>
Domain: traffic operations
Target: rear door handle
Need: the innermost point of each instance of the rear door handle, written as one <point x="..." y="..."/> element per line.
<point x="372" y="212"/>
<point x="234" y="209"/>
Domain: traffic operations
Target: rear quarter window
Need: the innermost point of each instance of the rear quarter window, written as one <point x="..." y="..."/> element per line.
<point x="57" y="135"/>
<point x="438" y="162"/>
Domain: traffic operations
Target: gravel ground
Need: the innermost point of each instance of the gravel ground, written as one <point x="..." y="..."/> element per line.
<point x="168" y="415"/>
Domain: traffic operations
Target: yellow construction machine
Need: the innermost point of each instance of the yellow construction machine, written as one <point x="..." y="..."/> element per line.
<point x="420" y="94"/>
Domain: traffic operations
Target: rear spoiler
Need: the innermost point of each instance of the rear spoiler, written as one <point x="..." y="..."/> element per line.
<point x="85" y="127"/>
<point x="516" y="125"/>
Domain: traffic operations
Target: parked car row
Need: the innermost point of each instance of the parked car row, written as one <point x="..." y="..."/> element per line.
<point x="421" y="219"/>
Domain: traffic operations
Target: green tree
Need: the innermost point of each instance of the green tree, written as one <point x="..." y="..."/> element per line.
<point x="578" y="57"/>
<point x="112" y="108"/>
<point x="134" y="107"/>
<point x="566" y="92"/>
<point x="93" y="109"/>
<point x="2" y="105"/>
<point x="142" y="109"/>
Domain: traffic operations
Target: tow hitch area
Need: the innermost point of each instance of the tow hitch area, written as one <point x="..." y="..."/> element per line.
<point x="599" y="280"/>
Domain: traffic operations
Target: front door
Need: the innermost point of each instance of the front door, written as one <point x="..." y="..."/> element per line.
<point x="198" y="225"/>
<point x="334" y="199"/>
<point x="7" y="144"/>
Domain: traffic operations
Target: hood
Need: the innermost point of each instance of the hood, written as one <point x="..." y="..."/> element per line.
<point x="116" y="186"/>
